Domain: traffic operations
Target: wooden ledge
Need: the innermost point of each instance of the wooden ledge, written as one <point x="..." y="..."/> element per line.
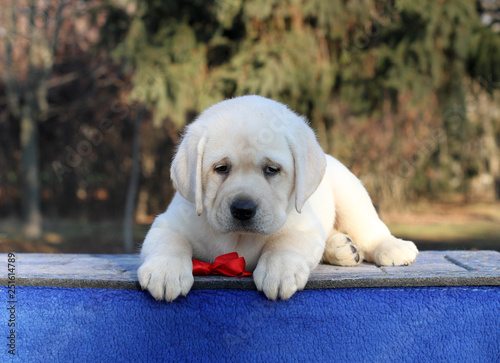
<point x="432" y="268"/>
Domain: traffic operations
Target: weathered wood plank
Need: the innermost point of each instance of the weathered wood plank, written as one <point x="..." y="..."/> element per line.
<point x="432" y="268"/>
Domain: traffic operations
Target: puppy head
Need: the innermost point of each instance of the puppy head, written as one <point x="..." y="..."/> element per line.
<point x="245" y="161"/>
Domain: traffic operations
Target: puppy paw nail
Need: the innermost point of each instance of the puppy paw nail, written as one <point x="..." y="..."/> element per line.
<point x="353" y="249"/>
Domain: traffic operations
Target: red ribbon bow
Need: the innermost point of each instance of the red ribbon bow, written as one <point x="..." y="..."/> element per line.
<point x="228" y="265"/>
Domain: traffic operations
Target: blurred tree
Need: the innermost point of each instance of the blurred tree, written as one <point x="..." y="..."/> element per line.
<point x="117" y="20"/>
<point x="30" y="43"/>
<point x="133" y="187"/>
<point x="387" y="65"/>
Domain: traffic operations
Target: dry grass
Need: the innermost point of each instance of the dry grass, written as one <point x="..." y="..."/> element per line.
<point x="430" y="225"/>
<point x="440" y="226"/>
<point x="70" y="236"/>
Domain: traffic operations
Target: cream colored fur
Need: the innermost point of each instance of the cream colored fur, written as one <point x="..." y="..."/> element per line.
<point x="300" y="209"/>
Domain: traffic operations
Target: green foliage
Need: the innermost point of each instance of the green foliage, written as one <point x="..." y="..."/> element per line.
<point x="304" y="51"/>
<point x="393" y="65"/>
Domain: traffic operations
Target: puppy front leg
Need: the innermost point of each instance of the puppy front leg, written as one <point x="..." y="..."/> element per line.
<point x="167" y="267"/>
<point x="286" y="262"/>
<point x="357" y="217"/>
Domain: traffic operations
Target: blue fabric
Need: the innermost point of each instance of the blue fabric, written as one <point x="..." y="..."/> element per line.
<point x="433" y="324"/>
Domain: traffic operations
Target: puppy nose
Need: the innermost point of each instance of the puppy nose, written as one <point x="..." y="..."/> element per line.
<point x="243" y="209"/>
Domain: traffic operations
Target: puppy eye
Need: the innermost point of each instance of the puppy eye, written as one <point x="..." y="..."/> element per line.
<point x="271" y="170"/>
<point x="221" y="169"/>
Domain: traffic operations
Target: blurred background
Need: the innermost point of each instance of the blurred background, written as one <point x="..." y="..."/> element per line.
<point x="94" y="96"/>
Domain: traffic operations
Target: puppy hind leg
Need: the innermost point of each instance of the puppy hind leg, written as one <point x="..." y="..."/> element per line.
<point x="340" y="250"/>
<point x="357" y="217"/>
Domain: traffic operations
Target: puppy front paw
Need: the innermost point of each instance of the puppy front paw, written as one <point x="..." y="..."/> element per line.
<point x="166" y="277"/>
<point x="281" y="274"/>
<point x="395" y="252"/>
<point x="340" y="250"/>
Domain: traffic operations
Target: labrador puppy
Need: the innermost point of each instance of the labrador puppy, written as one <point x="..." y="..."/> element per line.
<point x="251" y="178"/>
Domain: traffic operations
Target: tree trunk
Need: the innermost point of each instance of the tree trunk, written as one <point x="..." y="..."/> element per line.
<point x="27" y="95"/>
<point x="490" y="144"/>
<point x="31" y="211"/>
<point x="128" y="221"/>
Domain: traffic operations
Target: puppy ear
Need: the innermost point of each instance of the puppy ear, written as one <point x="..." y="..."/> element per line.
<point x="309" y="161"/>
<point x="186" y="169"/>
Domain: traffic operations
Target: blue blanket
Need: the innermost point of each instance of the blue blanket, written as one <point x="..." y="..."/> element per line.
<point x="425" y="324"/>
